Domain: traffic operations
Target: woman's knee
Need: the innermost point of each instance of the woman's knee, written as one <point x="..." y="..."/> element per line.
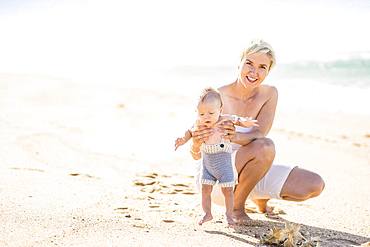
<point x="317" y="185"/>
<point x="302" y="185"/>
<point x="265" y="151"/>
<point x="262" y="151"/>
<point x="314" y="187"/>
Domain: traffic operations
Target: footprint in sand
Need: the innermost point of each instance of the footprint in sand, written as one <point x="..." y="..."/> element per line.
<point x="168" y="221"/>
<point x="83" y="175"/>
<point x="123" y="210"/>
<point x="188" y="193"/>
<point x="180" y="185"/>
<point x="150" y="189"/>
<point x="141" y="225"/>
<point x="153" y="182"/>
<point x="151" y="175"/>
<point x="144" y="183"/>
<point x="121" y="106"/>
<point x="27" y="169"/>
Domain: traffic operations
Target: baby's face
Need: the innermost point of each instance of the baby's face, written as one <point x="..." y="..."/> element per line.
<point x="209" y="113"/>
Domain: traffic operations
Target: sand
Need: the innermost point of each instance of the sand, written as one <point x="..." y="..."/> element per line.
<point x="93" y="165"/>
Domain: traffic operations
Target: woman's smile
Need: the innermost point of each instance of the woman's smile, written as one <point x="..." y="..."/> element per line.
<point x="251" y="79"/>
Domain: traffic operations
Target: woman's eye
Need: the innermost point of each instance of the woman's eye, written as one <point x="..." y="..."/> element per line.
<point x="211" y="113"/>
<point x="201" y="114"/>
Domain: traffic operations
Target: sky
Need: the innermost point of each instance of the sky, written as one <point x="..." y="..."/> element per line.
<point x="107" y="37"/>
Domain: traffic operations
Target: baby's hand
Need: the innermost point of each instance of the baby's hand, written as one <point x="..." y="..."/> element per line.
<point x="230" y="117"/>
<point x="179" y="142"/>
<point x="241" y="121"/>
<point x="247" y="122"/>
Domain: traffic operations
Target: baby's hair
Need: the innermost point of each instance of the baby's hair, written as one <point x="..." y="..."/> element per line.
<point x="209" y="94"/>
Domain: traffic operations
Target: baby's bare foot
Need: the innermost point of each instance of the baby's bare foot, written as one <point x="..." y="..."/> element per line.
<point x="230" y="220"/>
<point x="206" y="217"/>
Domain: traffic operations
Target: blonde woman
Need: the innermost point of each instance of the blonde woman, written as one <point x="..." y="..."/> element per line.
<point x="253" y="152"/>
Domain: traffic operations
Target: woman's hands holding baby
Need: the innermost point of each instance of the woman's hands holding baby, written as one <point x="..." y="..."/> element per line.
<point x="200" y="134"/>
<point x="227" y="124"/>
<point x="227" y="127"/>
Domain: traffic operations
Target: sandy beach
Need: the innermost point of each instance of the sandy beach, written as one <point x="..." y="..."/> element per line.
<point x="87" y="164"/>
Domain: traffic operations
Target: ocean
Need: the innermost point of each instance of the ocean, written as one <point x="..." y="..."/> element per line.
<point x="341" y="85"/>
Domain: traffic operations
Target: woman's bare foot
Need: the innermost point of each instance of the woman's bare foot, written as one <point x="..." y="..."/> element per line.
<point x="270" y="212"/>
<point x="240" y="216"/>
<point x="262" y="206"/>
<point x="206" y="217"/>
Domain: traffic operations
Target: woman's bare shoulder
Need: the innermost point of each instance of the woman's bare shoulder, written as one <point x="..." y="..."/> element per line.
<point x="269" y="91"/>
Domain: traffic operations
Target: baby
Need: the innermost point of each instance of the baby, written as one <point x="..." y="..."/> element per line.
<point x="215" y="152"/>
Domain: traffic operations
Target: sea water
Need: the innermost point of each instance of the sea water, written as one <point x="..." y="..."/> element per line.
<point x="341" y="85"/>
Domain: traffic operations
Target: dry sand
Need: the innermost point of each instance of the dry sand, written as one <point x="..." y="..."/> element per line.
<point x="93" y="165"/>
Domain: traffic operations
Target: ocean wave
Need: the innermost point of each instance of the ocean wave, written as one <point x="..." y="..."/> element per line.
<point x="344" y="72"/>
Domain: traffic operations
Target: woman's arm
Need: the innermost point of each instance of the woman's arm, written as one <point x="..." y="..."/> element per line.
<point x="265" y="118"/>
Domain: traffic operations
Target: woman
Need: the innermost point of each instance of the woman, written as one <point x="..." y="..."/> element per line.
<point x="258" y="179"/>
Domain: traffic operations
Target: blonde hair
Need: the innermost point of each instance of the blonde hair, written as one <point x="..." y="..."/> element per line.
<point x="210" y="94"/>
<point x="259" y="45"/>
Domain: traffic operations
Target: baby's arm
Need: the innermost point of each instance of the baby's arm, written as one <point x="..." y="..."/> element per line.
<point x="241" y="121"/>
<point x="246" y="122"/>
<point x="182" y="140"/>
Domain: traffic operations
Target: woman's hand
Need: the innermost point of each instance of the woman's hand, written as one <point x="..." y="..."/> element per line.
<point x="201" y="134"/>
<point x="227" y="127"/>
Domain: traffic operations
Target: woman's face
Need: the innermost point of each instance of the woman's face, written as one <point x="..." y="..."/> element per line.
<point x="253" y="69"/>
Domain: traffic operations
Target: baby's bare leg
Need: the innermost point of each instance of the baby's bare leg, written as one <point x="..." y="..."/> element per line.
<point x="229" y="203"/>
<point x="206" y="203"/>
